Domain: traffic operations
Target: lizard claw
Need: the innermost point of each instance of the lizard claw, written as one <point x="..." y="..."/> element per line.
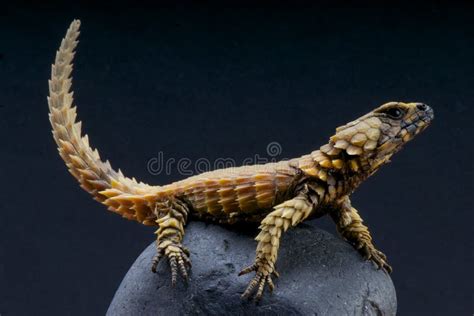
<point x="263" y="277"/>
<point x="258" y="283"/>
<point x="379" y="258"/>
<point x="178" y="258"/>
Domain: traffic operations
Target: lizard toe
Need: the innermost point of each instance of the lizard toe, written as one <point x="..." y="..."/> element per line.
<point x="178" y="260"/>
<point x="262" y="279"/>
<point x="248" y="269"/>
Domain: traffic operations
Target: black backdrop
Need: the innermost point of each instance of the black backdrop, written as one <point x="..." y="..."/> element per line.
<point x="206" y="81"/>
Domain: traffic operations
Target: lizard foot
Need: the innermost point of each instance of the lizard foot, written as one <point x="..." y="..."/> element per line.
<point x="379" y="258"/>
<point x="178" y="258"/>
<point x="263" y="277"/>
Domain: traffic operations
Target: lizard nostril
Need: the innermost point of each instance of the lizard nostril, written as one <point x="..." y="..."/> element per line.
<point x="421" y="106"/>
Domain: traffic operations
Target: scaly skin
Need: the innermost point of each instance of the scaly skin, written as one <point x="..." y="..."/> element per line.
<point x="278" y="195"/>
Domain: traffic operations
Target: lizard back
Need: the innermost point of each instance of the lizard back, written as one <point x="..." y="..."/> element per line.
<point x="227" y="194"/>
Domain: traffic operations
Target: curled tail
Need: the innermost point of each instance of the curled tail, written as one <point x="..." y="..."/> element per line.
<point x="122" y="195"/>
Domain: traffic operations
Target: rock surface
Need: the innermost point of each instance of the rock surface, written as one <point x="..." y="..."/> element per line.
<point x="320" y="275"/>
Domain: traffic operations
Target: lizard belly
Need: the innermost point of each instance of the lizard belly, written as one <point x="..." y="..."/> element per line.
<point x="243" y="193"/>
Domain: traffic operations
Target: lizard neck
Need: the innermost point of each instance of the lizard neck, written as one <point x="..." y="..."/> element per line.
<point x="341" y="172"/>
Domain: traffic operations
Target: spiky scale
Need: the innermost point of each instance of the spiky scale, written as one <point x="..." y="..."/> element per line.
<point x="354" y="150"/>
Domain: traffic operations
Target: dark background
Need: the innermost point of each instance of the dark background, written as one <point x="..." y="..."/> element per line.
<point x="213" y="81"/>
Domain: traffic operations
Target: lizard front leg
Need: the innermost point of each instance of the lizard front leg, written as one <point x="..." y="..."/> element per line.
<point x="172" y="216"/>
<point x="286" y="214"/>
<point x="350" y="226"/>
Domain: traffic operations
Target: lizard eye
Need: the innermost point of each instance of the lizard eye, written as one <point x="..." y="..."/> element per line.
<point x="394" y="113"/>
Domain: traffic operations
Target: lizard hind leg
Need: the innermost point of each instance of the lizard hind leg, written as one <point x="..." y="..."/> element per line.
<point x="172" y="216"/>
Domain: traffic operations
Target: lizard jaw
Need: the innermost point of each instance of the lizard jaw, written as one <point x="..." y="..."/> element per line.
<point x="418" y="122"/>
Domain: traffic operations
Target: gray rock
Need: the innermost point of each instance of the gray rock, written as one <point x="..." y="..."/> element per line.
<point x="320" y="275"/>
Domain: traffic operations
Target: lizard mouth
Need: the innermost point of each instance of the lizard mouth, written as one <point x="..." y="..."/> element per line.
<point x="418" y="122"/>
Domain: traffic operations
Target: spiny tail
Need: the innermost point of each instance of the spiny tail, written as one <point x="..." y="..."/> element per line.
<point x="122" y="195"/>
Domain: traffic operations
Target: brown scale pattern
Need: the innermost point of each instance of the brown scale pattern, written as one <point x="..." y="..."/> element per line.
<point x="226" y="193"/>
<point x="278" y="195"/>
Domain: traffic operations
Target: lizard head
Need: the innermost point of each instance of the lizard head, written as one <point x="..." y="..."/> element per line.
<point x="376" y="136"/>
